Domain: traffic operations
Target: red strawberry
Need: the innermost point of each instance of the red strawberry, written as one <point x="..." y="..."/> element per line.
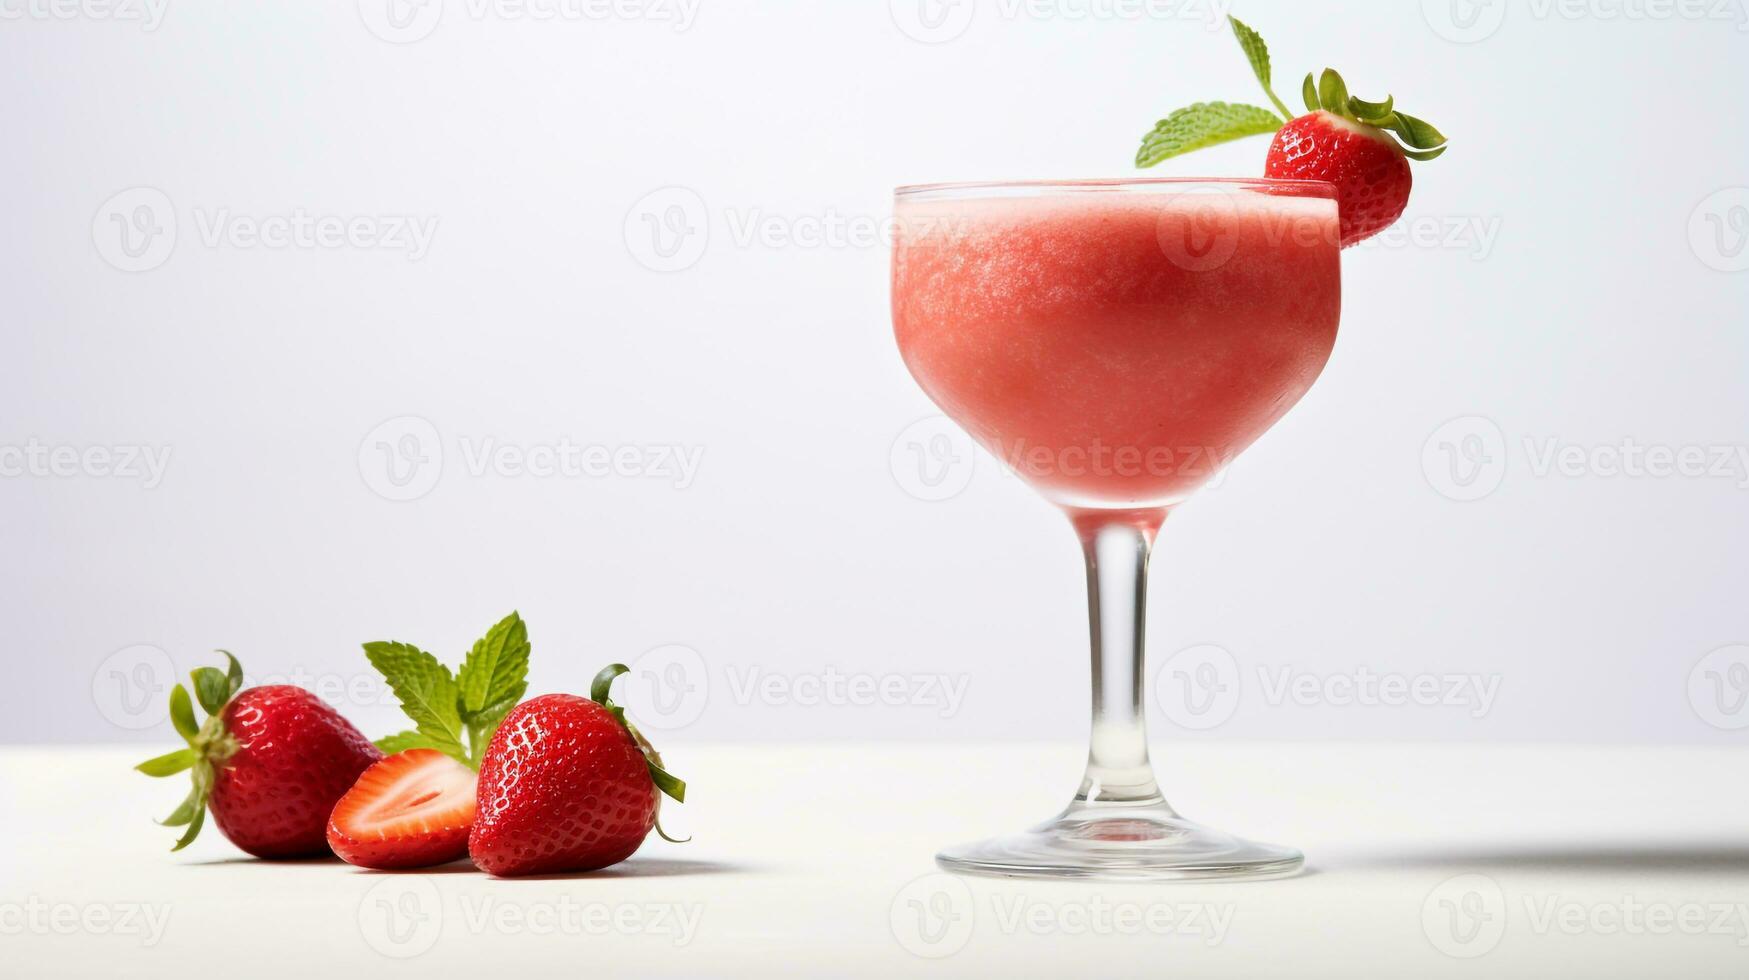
<point x="1341" y="140"/>
<point x="270" y="762"/>
<point x="1369" y="169"/>
<point x="411" y="810"/>
<point x="567" y="784"/>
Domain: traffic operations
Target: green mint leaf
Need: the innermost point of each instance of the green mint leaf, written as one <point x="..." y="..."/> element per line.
<point x="402" y="741"/>
<point x="496" y="669"/>
<point x="1333" y="92"/>
<point x="426" y="690"/>
<point x="1257" y="53"/>
<point x="211" y="688"/>
<point x="1203" y="124"/>
<point x="170" y="763"/>
<point x="182" y="713"/>
<point x="484" y="724"/>
<point x="1309" y="92"/>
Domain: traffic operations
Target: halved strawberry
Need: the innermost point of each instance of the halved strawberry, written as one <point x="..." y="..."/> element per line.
<point x="411" y="810"/>
<point x="1363" y="148"/>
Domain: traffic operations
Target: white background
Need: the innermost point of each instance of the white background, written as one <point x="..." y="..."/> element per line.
<point x="1575" y="290"/>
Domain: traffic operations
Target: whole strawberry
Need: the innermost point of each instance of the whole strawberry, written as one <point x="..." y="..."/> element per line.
<point x="1362" y="148"/>
<point x="567" y="784"/>
<point x="268" y="762"/>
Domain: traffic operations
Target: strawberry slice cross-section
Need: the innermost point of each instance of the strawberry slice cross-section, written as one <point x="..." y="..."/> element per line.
<point x="411" y="810"/>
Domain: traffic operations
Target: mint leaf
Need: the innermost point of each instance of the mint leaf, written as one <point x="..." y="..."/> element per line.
<point x="427" y="692"/>
<point x="495" y="670"/>
<point x="1257" y="53"/>
<point x="403" y="741"/>
<point x="1203" y="124"/>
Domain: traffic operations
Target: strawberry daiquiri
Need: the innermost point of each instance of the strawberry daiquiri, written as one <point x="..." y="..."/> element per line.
<point x="1115" y="343"/>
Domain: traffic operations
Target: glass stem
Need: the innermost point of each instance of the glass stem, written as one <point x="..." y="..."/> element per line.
<point x="1117" y="547"/>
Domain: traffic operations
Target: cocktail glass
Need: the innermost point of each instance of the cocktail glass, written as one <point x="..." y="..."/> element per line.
<point x="1115" y="342"/>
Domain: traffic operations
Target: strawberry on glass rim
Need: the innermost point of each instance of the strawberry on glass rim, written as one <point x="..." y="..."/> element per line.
<point x="1361" y="147"/>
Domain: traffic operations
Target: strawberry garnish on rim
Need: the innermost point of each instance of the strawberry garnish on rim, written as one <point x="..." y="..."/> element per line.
<point x="1361" y="147"/>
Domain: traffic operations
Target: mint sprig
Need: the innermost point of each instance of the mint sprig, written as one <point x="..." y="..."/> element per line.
<point x="1203" y="124"/>
<point x="1257" y="53"/>
<point x="1209" y="123"/>
<point x="455" y="714"/>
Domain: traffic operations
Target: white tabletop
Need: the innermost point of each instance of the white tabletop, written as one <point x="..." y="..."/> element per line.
<point x="1423" y="860"/>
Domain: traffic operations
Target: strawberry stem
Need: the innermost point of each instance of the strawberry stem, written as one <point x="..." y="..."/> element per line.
<point x="209" y="744"/>
<point x="665" y="781"/>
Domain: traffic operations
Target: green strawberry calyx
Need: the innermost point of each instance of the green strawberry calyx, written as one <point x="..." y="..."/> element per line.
<point x="209" y="744"/>
<point x="1416" y="138"/>
<point x="1209" y="123"/>
<point x="670" y="785"/>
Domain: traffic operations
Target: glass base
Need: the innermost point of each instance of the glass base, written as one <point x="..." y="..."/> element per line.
<point x="1135" y="842"/>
